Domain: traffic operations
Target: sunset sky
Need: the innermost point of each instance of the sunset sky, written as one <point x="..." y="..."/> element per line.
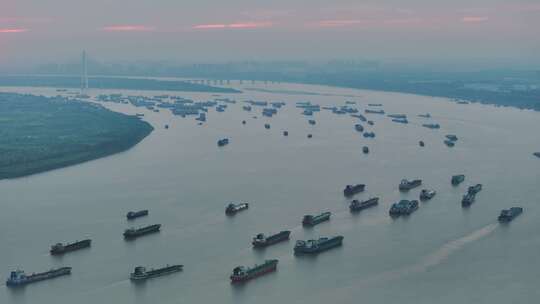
<point x="42" y="31"/>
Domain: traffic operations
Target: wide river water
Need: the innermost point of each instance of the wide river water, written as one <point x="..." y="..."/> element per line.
<point x="442" y="253"/>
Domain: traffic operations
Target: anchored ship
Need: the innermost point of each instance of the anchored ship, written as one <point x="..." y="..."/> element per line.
<point x="351" y="190"/>
<point x="475" y="189"/>
<point x="140" y="273"/>
<point x="432" y="126"/>
<point x="406" y="185"/>
<point x="369" y="111"/>
<point x="260" y="240"/>
<point x="312" y="122"/>
<point x="317" y="246"/>
<point x="365" y="149"/>
<point x="60" y="248"/>
<point x="403" y="207"/>
<point x="458" y="179"/>
<point x="426" y="194"/>
<point x="234" y="208"/>
<point x="537" y="154"/>
<point x="19" y="278"/>
<point x="132" y="233"/>
<point x="508" y="215"/>
<point x="135" y="214"/>
<point x="468" y="199"/>
<point x="312" y="220"/>
<point x="356" y="205"/>
<point x="223" y="142"/>
<point x="243" y="274"/>
<point x="359" y="127"/>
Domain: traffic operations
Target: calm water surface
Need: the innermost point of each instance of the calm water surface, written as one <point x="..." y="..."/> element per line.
<point x="440" y="254"/>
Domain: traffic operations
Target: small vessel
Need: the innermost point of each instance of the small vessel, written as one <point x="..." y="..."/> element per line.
<point x="359" y="127"/>
<point x="60" y="248"/>
<point x="451" y="137"/>
<point x="234" y="208"/>
<point x="401" y="120"/>
<point x="365" y="149"/>
<point x="406" y="185"/>
<point x="243" y="274"/>
<point x="397" y="116"/>
<point x="140" y="273"/>
<point x="223" y="142"/>
<point x="135" y="214"/>
<point x="285" y="133"/>
<point x="351" y="190"/>
<point x="431" y="126"/>
<point x="317" y="246"/>
<point x="132" y="233"/>
<point x="403" y="207"/>
<point x="475" y="189"/>
<point x="312" y="122"/>
<point x="312" y="220"/>
<point x="468" y="199"/>
<point x="458" y="179"/>
<point x="370" y="122"/>
<point x="19" y="278"/>
<point x="356" y="205"/>
<point x="375" y="104"/>
<point x="369" y="111"/>
<point x="427" y="115"/>
<point x="369" y="135"/>
<point x="421" y="143"/>
<point x="508" y="215"/>
<point x="449" y="143"/>
<point x="309" y="136"/>
<point x="426" y="194"/>
<point x="166" y="126"/>
<point x="537" y="154"/>
<point x="260" y="240"/>
<point x="267" y="126"/>
<point x="243" y="122"/>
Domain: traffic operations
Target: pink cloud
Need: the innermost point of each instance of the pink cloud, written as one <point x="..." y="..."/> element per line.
<point x="474" y="19"/>
<point x="240" y="25"/>
<point x="128" y="28"/>
<point x="12" y="30"/>
<point x="340" y="23"/>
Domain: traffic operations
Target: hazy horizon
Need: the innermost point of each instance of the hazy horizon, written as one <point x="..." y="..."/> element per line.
<point x="486" y="32"/>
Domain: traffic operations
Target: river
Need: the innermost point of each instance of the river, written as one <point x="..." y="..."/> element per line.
<point x="442" y="253"/>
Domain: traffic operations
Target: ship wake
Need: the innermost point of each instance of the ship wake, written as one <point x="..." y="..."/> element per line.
<point x="437" y="257"/>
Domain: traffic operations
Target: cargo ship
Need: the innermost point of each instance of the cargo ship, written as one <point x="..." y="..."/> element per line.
<point x="317" y="246"/>
<point x="458" y="179"/>
<point x="508" y="215"/>
<point x="403" y="207"/>
<point x="60" y="248"/>
<point x="356" y="205"/>
<point x="223" y="142"/>
<point x="135" y="214"/>
<point x="406" y="185"/>
<point x="427" y="115"/>
<point x="140" y="273"/>
<point x="351" y="190"/>
<point x="234" y="208"/>
<point x="359" y="127"/>
<point x="312" y="220"/>
<point x="243" y="274"/>
<point x="468" y="199"/>
<point x="19" y="278"/>
<point x="132" y="233"/>
<point x="260" y="240"/>
<point x="398" y="116"/>
<point x="426" y="194"/>
<point x="475" y="189"/>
